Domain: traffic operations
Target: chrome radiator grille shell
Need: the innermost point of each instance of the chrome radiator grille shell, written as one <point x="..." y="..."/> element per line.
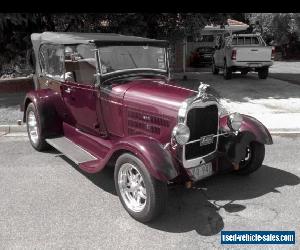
<point x="197" y="158"/>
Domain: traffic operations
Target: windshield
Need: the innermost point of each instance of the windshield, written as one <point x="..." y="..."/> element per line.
<point x="121" y="58"/>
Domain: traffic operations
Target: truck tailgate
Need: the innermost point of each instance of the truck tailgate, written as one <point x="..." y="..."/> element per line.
<point x="253" y="54"/>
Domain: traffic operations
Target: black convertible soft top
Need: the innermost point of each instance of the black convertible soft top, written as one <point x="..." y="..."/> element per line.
<point x="100" y="39"/>
<point x="97" y="38"/>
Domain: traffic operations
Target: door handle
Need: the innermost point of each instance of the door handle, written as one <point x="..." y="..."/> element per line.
<point x="68" y="90"/>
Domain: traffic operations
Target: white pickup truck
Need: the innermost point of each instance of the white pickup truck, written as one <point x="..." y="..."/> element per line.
<point x="244" y="53"/>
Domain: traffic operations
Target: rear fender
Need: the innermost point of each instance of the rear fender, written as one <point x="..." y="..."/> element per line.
<point x="45" y="101"/>
<point x="157" y="160"/>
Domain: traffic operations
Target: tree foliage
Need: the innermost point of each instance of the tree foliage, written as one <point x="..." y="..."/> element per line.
<point x="281" y="29"/>
<point x="15" y="28"/>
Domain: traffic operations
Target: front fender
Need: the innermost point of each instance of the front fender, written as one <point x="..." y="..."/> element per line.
<point x="250" y="125"/>
<point x="235" y="146"/>
<point x="254" y="126"/>
<point x="157" y="159"/>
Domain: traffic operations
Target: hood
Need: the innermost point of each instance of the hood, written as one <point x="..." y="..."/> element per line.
<point x="155" y="96"/>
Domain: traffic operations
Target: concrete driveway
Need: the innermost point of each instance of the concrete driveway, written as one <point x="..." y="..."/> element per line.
<point x="274" y="102"/>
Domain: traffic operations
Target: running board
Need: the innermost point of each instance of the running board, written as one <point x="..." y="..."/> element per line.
<point x="71" y="150"/>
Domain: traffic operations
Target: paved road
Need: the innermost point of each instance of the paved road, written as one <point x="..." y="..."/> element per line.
<point x="47" y="203"/>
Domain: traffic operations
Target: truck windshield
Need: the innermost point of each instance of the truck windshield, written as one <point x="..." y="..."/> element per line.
<point x="123" y="58"/>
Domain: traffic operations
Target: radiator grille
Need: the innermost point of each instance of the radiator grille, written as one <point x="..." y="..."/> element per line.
<point x="201" y="122"/>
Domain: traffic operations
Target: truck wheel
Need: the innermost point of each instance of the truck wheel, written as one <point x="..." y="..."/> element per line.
<point x="34" y="129"/>
<point x="253" y="160"/>
<point x="227" y="72"/>
<point x="142" y="196"/>
<point x="214" y="69"/>
<point x="263" y="73"/>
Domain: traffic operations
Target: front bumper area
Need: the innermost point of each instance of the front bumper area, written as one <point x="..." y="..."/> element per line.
<point x="231" y="150"/>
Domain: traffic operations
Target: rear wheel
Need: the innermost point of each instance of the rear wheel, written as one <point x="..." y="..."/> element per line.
<point x="214" y="69"/>
<point x="34" y="129"/>
<point x="254" y="158"/>
<point x="263" y="73"/>
<point x="227" y="72"/>
<point x="142" y="196"/>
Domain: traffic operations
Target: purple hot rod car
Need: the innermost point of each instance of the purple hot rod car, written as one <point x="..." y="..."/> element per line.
<point x="108" y="100"/>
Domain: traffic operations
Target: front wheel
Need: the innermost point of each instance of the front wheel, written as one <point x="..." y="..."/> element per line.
<point x="142" y="196"/>
<point x="255" y="154"/>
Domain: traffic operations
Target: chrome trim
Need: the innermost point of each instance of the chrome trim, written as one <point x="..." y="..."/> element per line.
<point x="200" y="160"/>
<point x="217" y="135"/>
<point x="201" y="100"/>
<point x="129" y="70"/>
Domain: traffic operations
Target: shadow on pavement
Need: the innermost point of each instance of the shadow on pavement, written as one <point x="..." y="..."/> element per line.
<point x="292" y="78"/>
<point x="191" y="209"/>
<point x="104" y="179"/>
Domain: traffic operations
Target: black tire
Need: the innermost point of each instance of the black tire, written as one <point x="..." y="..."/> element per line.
<point x="256" y="155"/>
<point x="214" y="69"/>
<point x="156" y="190"/>
<point x="40" y="144"/>
<point x="244" y="72"/>
<point x="263" y="73"/>
<point x="227" y="72"/>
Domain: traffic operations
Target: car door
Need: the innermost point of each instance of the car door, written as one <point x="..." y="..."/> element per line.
<point x="79" y="93"/>
<point x="51" y="76"/>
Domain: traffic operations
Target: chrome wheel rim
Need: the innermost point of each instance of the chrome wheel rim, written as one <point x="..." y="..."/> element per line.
<point x="32" y="127"/>
<point x="132" y="187"/>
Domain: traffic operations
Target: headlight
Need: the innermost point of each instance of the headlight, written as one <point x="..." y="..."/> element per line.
<point x="235" y="121"/>
<point x="181" y="133"/>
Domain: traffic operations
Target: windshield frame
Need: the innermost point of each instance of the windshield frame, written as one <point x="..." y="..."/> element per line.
<point x="126" y="71"/>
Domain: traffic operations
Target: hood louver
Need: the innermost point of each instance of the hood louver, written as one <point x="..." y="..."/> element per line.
<point x="140" y="122"/>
